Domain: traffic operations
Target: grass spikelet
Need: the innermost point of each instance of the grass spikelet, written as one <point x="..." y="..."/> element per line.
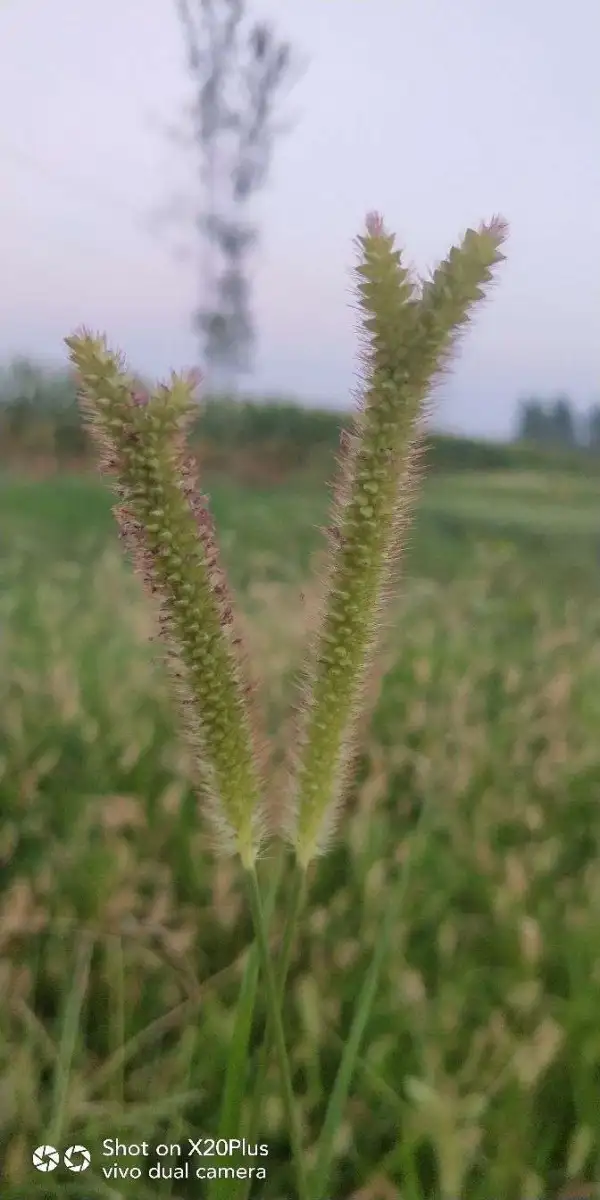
<point x="408" y="336"/>
<point x="167" y="528"/>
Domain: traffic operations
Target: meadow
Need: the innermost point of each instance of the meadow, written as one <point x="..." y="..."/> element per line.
<point x="122" y="939"/>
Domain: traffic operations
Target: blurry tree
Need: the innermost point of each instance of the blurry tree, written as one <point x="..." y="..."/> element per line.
<point x="531" y="421"/>
<point x="593" y="427"/>
<point x="239" y="72"/>
<point x="563" y="424"/>
<point x="38" y="385"/>
<point x="547" y="422"/>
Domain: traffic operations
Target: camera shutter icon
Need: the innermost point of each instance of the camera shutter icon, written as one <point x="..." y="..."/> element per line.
<point x="77" y="1158"/>
<point x="45" y="1158"/>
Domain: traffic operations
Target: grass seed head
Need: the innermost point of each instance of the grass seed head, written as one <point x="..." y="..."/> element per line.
<point x="167" y="528"/>
<point x="407" y="333"/>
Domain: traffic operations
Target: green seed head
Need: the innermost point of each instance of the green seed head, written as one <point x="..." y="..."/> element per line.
<point x="167" y="527"/>
<point x="408" y="333"/>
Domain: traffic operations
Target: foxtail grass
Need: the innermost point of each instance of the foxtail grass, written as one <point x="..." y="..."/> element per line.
<point x="408" y="330"/>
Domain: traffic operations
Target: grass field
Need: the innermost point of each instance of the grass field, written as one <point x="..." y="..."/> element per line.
<point x="122" y="940"/>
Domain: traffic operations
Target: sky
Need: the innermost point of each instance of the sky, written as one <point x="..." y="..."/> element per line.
<point x="438" y="115"/>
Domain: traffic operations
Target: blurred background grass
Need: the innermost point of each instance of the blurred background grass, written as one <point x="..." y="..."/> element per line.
<point x="122" y="940"/>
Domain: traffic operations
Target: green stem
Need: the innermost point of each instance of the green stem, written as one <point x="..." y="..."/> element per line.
<point x="276" y="1023"/>
<point x="230" y="1119"/>
<point x="295" y="907"/>
<point x="362" y="1012"/>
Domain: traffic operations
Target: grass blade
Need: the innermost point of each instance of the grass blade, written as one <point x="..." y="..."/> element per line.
<point x="68" y="1039"/>
<point x="362" y="1012"/>
<point x="237" y="1059"/>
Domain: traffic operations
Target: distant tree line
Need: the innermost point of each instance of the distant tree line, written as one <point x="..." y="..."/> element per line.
<point x="556" y="423"/>
<point x="40" y="418"/>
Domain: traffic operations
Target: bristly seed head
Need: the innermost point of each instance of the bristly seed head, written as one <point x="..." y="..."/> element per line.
<point x="169" y="532"/>
<point x="409" y="330"/>
<point x="408" y="334"/>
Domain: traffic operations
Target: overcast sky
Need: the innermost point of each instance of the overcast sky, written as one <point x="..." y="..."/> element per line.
<point x="438" y="114"/>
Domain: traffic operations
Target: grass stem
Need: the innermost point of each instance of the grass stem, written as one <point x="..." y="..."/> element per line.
<point x="276" y="1024"/>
